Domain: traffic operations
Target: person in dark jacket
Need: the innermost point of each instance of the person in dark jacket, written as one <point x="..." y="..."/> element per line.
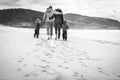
<point x="37" y="27"/>
<point x="64" y="29"/>
<point x="58" y="16"/>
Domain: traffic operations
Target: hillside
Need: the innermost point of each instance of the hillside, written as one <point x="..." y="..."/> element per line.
<point x="85" y="22"/>
<point x="19" y="17"/>
<point x="25" y="18"/>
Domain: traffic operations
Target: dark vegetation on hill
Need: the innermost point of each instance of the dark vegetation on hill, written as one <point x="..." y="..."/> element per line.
<point x="85" y="22"/>
<point x="19" y="17"/>
<point x="26" y="18"/>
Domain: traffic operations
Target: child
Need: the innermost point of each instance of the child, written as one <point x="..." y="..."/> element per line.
<point x="37" y="27"/>
<point x="64" y="28"/>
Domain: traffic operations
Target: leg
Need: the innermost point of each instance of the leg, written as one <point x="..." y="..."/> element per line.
<point x="58" y="33"/>
<point x="51" y="29"/>
<point x="64" y="32"/>
<point x="65" y="35"/>
<point x="55" y="32"/>
<point x="47" y="29"/>
<point x="35" y="33"/>
<point x="59" y="30"/>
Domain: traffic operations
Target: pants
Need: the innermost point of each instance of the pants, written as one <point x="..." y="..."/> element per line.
<point x="36" y="33"/>
<point x="49" y="27"/>
<point x="57" y="30"/>
<point x="64" y="35"/>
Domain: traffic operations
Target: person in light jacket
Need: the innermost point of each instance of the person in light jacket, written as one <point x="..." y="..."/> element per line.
<point x="48" y="22"/>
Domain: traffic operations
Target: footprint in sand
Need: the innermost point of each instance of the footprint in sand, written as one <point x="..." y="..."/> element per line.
<point x="21" y="59"/>
<point x="100" y="70"/>
<point x="59" y="77"/>
<point x="43" y="67"/>
<point x="19" y="69"/>
<point x="76" y="74"/>
<point x="60" y="66"/>
<point x="24" y="65"/>
<point x="52" y="50"/>
<point x="31" y="74"/>
<point x="39" y="44"/>
<point x="45" y="61"/>
<point x="65" y="61"/>
<point x="34" y="74"/>
<point x="48" y="54"/>
<point x="118" y="76"/>
<point x="107" y="42"/>
<point x="27" y="75"/>
<point x="50" y="73"/>
<point x="82" y="77"/>
<point x="36" y="65"/>
<point x="48" y="66"/>
<point x="84" y="65"/>
<point x="44" y="70"/>
<point x="66" y="67"/>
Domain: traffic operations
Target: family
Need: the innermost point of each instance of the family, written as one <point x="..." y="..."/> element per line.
<point x="52" y="18"/>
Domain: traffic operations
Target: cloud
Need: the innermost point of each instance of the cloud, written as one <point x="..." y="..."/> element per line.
<point x="100" y="8"/>
<point x="9" y="3"/>
<point x="43" y="2"/>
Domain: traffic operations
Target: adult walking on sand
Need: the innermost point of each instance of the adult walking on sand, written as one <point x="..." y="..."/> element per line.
<point x="48" y="22"/>
<point x="58" y="15"/>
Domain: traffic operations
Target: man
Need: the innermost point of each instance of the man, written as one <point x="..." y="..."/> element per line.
<point x="58" y="15"/>
<point x="48" y="22"/>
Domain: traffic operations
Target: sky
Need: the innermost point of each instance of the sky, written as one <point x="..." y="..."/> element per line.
<point x="99" y="8"/>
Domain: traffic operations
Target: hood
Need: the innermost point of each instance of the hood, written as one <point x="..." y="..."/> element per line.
<point x="56" y="12"/>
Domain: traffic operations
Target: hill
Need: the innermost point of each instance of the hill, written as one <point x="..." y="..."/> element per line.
<point x="19" y="17"/>
<point x="85" y="22"/>
<point x="26" y="17"/>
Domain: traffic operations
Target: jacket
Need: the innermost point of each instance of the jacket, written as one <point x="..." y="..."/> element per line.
<point x="65" y="27"/>
<point x="58" y="15"/>
<point x="47" y="15"/>
<point x="37" y="27"/>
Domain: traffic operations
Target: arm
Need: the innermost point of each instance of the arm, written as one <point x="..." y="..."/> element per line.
<point x="52" y="16"/>
<point x="62" y="18"/>
<point x="67" y="26"/>
<point x="44" y="18"/>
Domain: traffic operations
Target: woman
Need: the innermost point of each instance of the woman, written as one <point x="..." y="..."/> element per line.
<point x="48" y="22"/>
